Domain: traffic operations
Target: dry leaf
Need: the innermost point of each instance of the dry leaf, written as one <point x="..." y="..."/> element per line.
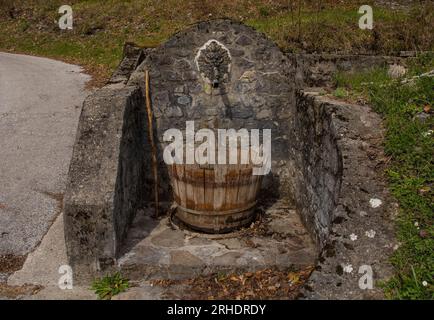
<point x="262" y="284"/>
<point x="424" y="190"/>
<point x="294" y="278"/>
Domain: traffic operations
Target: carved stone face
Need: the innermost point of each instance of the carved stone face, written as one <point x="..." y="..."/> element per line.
<point x="213" y="61"/>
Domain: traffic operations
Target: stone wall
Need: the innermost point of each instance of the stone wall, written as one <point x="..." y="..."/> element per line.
<point x="316" y="165"/>
<point x="318" y="70"/>
<point x="132" y="57"/>
<point x="258" y="93"/>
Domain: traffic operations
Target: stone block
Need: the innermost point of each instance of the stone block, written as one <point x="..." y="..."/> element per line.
<point x="105" y="181"/>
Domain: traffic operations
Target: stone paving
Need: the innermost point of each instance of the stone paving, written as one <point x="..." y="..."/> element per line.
<point x="160" y="250"/>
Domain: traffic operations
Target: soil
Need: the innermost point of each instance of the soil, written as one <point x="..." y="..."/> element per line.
<point x="10" y="263"/>
<point x="13" y="292"/>
<point x="260" y="285"/>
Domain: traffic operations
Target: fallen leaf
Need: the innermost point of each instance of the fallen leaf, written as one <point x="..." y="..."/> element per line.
<point x="424" y="190"/>
<point x="294" y="278"/>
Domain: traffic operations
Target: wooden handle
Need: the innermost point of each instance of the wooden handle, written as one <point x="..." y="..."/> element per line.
<point x="151" y="140"/>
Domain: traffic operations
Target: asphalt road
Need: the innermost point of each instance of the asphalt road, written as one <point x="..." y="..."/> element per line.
<point x="40" y="103"/>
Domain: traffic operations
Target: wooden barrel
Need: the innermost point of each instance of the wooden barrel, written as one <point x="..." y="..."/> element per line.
<point x="215" y="198"/>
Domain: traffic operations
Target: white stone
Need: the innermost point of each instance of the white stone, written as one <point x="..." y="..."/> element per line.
<point x="348" y="268"/>
<point x="396" y="71"/>
<point x="370" y="234"/>
<point x="375" y="203"/>
<point x="363" y="213"/>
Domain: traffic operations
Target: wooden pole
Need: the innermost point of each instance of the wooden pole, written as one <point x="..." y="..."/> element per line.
<point x="151" y="140"/>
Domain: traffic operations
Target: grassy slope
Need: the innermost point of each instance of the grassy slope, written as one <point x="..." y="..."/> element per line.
<point x="101" y="27"/>
<point x="411" y="171"/>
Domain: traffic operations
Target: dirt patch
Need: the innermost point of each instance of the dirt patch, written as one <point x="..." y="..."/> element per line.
<point x="10" y="263"/>
<point x="259" y="285"/>
<point x="13" y="292"/>
<point x="99" y="75"/>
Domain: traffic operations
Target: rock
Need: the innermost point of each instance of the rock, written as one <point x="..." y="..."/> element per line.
<point x="143" y="292"/>
<point x="422" y="117"/>
<point x="264" y="114"/>
<point x="396" y="71"/>
<point x="174" y="112"/>
<point x="184" y="99"/>
<point x="375" y="203"/>
<point x="231" y="243"/>
<point x="227" y="259"/>
<point x="243" y="40"/>
<point x="169" y="238"/>
<point x="184" y="258"/>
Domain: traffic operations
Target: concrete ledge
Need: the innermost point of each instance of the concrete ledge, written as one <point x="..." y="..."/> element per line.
<point x="357" y="234"/>
<point x="105" y="182"/>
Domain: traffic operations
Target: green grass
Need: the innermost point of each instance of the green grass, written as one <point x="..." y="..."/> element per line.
<point x="330" y="30"/>
<point x="109" y="286"/>
<point x="411" y="170"/>
<point x="102" y="27"/>
<point x="362" y="82"/>
<point x="340" y="93"/>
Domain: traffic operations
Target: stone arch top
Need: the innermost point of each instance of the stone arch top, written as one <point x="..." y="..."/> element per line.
<point x="223" y="74"/>
<point x="219" y="73"/>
